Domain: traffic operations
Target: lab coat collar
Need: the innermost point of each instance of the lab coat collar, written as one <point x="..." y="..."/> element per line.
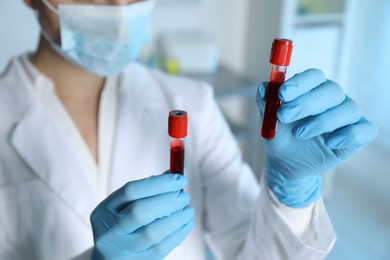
<point x="37" y="138"/>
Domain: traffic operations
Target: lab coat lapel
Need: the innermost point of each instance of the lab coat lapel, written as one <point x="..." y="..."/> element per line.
<point x="43" y="145"/>
<point x="141" y="146"/>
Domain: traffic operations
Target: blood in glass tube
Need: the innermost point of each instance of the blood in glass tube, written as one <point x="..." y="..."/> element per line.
<point x="280" y="59"/>
<point x="177" y="130"/>
<point x="177" y="157"/>
<point x="272" y="104"/>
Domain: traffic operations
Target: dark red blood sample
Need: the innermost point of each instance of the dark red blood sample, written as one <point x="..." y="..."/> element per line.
<point x="272" y="103"/>
<point x="177" y="159"/>
<point x="177" y="130"/>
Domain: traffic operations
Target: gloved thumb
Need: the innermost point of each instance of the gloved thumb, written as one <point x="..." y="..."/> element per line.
<point x="260" y="97"/>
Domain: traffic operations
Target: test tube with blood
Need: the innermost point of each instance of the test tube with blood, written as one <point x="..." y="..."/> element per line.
<point x="177" y="130"/>
<point x="280" y="59"/>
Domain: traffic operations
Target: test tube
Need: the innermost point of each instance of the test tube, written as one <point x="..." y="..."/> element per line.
<point x="279" y="59"/>
<point x="177" y="130"/>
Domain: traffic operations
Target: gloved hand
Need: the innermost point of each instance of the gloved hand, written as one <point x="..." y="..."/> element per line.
<point x="319" y="128"/>
<point x="145" y="219"/>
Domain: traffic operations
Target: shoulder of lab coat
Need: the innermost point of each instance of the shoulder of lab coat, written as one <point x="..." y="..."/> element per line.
<point x="41" y="215"/>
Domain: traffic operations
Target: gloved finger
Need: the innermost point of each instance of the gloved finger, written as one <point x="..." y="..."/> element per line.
<point x="356" y="135"/>
<point x="149" y="235"/>
<point x="144" y="188"/>
<point x="144" y="211"/>
<point x="300" y="84"/>
<point x="162" y="249"/>
<point x="260" y="97"/>
<point x="345" y="114"/>
<point x="262" y="89"/>
<point x="314" y="102"/>
<point x="158" y="230"/>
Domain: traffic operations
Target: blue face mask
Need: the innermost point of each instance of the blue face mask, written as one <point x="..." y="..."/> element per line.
<point x="100" y="38"/>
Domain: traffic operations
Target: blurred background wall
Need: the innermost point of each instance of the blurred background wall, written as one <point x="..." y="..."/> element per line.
<point x="348" y="39"/>
<point x="18" y="30"/>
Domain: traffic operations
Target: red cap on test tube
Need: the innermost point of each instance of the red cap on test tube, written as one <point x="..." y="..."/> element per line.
<point x="281" y="52"/>
<point x="177" y="124"/>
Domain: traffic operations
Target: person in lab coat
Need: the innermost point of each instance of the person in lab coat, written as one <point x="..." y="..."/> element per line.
<point x="84" y="152"/>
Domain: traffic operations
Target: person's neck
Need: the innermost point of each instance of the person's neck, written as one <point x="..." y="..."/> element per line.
<point x="71" y="81"/>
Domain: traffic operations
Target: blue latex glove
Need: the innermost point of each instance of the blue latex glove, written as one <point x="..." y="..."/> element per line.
<point x="145" y="219"/>
<point x="319" y="128"/>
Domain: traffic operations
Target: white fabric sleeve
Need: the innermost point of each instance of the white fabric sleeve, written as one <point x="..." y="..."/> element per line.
<point x="301" y="221"/>
<point x="242" y="221"/>
<point x="284" y="243"/>
<point x="8" y="251"/>
<point x="87" y="255"/>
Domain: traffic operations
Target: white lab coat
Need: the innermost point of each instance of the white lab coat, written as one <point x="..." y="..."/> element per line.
<point x="47" y="193"/>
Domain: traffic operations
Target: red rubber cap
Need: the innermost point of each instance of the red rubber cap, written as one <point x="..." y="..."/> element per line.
<point x="281" y="52"/>
<point x="177" y="124"/>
